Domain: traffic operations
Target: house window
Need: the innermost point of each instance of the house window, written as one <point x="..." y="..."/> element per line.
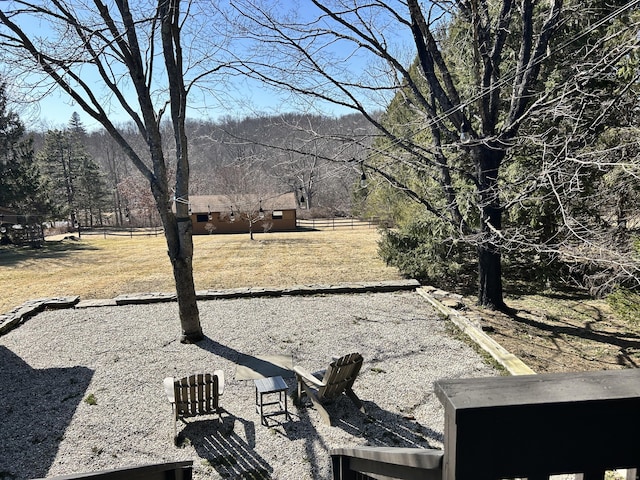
<point x="202" y="218"/>
<point x="277" y="214"/>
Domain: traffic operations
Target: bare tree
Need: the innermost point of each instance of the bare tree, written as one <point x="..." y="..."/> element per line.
<point x="98" y="54"/>
<point x="309" y="154"/>
<point x="245" y="188"/>
<point x="468" y="75"/>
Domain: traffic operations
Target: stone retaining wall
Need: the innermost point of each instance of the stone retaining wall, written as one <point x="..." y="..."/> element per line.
<point x="28" y="309"/>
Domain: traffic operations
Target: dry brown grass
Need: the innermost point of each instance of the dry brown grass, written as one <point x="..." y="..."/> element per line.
<point x="104" y="268"/>
<point x="563" y="332"/>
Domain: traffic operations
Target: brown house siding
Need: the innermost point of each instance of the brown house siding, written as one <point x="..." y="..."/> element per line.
<point x="200" y="222"/>
<point x="217" y="220"/>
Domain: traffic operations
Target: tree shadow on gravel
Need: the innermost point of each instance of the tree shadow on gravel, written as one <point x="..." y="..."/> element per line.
<point x="239" y="358"/>
<point x="229" y="453"/>
<point x="379" y="427"/>
<point x="36" y="407"/>
<point x="226" y="451"/>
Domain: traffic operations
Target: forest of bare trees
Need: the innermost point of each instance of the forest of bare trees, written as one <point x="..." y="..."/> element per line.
<point x="308" y="154"/>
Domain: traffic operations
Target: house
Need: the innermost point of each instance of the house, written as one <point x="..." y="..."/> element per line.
<point x="243" y="213"/>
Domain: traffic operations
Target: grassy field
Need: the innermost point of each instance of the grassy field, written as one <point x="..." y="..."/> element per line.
<point x="104" y="268"/>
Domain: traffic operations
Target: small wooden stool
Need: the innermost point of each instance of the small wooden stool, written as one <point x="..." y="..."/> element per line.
<point x="267" y="386"/>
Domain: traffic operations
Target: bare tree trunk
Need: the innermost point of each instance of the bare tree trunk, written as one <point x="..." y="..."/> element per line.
<point x="488" y="161"/>
<point x="490" y="277"/>
<point x="180" y="242"/>
<point x="119" y="37"/>
<point x="180" y="247"/>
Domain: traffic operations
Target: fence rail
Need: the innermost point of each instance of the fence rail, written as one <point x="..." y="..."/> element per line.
<point x="337" y="222"/>
<point x="311" y="224"/>
<point x="119" y="232"/>
<point x="371" y="463"/>
<point x="161" y="471"/>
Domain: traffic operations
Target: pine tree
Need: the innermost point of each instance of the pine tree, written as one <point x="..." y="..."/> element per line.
<point x="60" y="164"/>
<point x="22" y="186"/>
<point x="80" y="186"/>
<point x="91" y="193"/>
<point x="11" y="128"/>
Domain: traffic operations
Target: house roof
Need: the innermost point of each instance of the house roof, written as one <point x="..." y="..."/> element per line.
<point x="242" y="202"/>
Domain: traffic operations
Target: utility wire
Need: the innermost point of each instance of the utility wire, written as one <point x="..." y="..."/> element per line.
<point x="508" y="78"/>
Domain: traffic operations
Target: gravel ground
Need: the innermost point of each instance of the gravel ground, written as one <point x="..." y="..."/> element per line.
<point x="55" y="361"/>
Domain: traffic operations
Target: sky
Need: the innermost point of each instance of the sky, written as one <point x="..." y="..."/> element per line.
<point x="243" y="98"/>
<point x="237" y="98"/>
<point x="55" y="109"/>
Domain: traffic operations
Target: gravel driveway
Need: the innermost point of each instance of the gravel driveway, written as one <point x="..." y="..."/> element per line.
<point x="119" y="355"/>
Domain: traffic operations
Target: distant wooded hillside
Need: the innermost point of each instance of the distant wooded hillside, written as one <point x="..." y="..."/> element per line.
<point x="315" y="156"/>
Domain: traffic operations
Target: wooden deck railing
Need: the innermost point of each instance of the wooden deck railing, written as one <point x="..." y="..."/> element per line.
<point x="364" y="463"/>
<point x="159" y="471"/>
<point x="530" y="426"/>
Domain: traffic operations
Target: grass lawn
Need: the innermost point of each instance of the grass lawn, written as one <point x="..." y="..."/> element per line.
<point x="96" y="267"/>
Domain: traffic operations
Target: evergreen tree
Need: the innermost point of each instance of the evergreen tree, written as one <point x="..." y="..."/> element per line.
<point x="91" y="193"/>
<point x="76" y="177"/>
<point x="60" y="163"/>
<point x="11" y="128"/>
<point x="22" y="187"/>
<point x="76" y="127"/>
<point x="547" y="202"/>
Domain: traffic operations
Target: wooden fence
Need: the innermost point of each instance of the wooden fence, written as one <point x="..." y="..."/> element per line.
<point x="336" y="223"/>
<point x="310" y="224"/>
<point x="119" y="232"/>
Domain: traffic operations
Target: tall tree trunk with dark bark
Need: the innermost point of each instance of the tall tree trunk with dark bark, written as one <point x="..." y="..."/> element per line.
<point x="487" y="161"/>
<point x="179" y="237"/>
<point x="180" y="243"/>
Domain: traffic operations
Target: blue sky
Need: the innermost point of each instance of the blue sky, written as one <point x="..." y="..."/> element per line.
<point x="55" y="110"/>
<point x="237" y="98"/>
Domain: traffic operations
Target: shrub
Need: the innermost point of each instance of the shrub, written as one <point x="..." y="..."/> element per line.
<point x="625" y="304"/>
<point x="423" y="252"/>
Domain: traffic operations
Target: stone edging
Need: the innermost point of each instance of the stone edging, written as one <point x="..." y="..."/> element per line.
<point x="20" y="314"/>
<point x="445" y="302"/>
<point x="28" y="309"/>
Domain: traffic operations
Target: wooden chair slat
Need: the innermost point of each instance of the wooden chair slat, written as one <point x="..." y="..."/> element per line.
<point x="194" y="395"/>
<point x="337" y="380"/>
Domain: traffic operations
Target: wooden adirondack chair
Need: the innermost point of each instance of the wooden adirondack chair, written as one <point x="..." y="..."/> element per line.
<point x="337" y="379"/>
<point x="194" y="395"/>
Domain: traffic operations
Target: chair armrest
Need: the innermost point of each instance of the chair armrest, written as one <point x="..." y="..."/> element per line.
<point x="309" y="377"/>
<point x="168" y="389"/>
<point x="220" y="375"/>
